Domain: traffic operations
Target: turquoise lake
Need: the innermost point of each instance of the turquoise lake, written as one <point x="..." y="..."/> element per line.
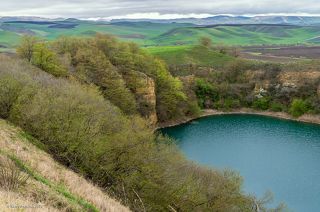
<point x="271" y="154"/>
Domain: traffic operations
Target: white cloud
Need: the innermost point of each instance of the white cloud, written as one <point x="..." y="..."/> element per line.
<point x="153" y="15"/>
<point x="156" y="9"/>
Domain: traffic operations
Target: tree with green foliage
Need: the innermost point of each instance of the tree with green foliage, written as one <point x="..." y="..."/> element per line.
<point x="114" y="63"/>
<point x="26" y="48"/>
<point x="100" y="71"/>
<point x="169" y="93"/>
<point x="9" y="92"/>
<point x="206" y="92"/>
<point x="47" y="60"/>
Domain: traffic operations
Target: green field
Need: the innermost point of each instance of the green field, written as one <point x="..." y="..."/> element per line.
<point x="148" y="34"/>
<point x="178" y="55"/>
<point x="244" y="35"/>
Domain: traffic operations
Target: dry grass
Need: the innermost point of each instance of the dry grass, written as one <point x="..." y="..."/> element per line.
<point x="12" y="201"/>
<point x="35" y="197"/>
<point x="43" y="164"/>
<point x="32" y="196"/>
<point x="11" y="177"/>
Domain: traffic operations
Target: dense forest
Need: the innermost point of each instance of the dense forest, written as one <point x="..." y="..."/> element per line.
<point x="118" y="69"/>
<point x="84" y="100"/>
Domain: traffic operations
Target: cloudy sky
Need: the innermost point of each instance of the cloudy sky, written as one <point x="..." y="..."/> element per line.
<point x="154" y="8"/>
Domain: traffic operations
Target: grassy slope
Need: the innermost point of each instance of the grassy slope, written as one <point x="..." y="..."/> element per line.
<point x="52" y="185"/>
<point x="177" y="55"/>
<point x="8" y="38"/>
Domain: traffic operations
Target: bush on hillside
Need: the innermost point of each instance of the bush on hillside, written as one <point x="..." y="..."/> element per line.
<point x="26" y="47"/>
<point x="205" y="92"/>
<point x="299" y="107"/>
<point x="206" y="42"/>
<point x="262" y="103"/>
<point x="277" y="107"/>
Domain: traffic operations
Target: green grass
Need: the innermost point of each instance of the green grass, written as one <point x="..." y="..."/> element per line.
<point x="177" y="55"/>
<point x="241" y="35"/>
<point x="8" y="38"/>
<point x="27" y="137"/>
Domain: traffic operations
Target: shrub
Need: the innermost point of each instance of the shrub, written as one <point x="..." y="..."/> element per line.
<point x="261" y="104"/>
<point x="298" y="107"/>
<point x="276" y="107"/>
<point x="9" y="92"/>
<point x="232" y="103"/>
<point x="26" y="47"/>
<point x="206" y="42"/>
<point x="228" y="104"/>
<point x="11" y="177"/>
<point x="205" y="91"/>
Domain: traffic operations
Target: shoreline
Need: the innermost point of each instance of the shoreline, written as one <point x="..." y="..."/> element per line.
<point x="306" y="118"/>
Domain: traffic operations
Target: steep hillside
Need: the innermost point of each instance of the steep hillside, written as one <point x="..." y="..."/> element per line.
<point x="50" y="186"/>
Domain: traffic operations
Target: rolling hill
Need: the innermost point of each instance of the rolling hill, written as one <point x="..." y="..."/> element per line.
<point x="161" y="34"/>
<point x="228" y="19"/>
<point x="245" y="35"/>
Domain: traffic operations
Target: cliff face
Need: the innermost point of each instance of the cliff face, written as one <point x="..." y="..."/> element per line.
<point x="299" y="77"/>
<point x="143" y="88"/>
<point x="284" y="81"/>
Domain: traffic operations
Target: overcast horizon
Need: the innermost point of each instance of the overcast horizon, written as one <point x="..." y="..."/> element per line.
<point x="151" y="9"/>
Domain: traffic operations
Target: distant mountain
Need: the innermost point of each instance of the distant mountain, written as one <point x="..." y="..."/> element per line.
<point x="223" y="19"/>
<point x="27" y="18"/>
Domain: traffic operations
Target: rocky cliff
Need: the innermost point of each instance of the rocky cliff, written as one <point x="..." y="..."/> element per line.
<point x="284" y="81"/>
<point x="143" y="88"/>
<point x="299" y="77"/>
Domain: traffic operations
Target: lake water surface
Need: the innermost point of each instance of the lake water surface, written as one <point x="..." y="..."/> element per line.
<point x="271" y="154"/>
